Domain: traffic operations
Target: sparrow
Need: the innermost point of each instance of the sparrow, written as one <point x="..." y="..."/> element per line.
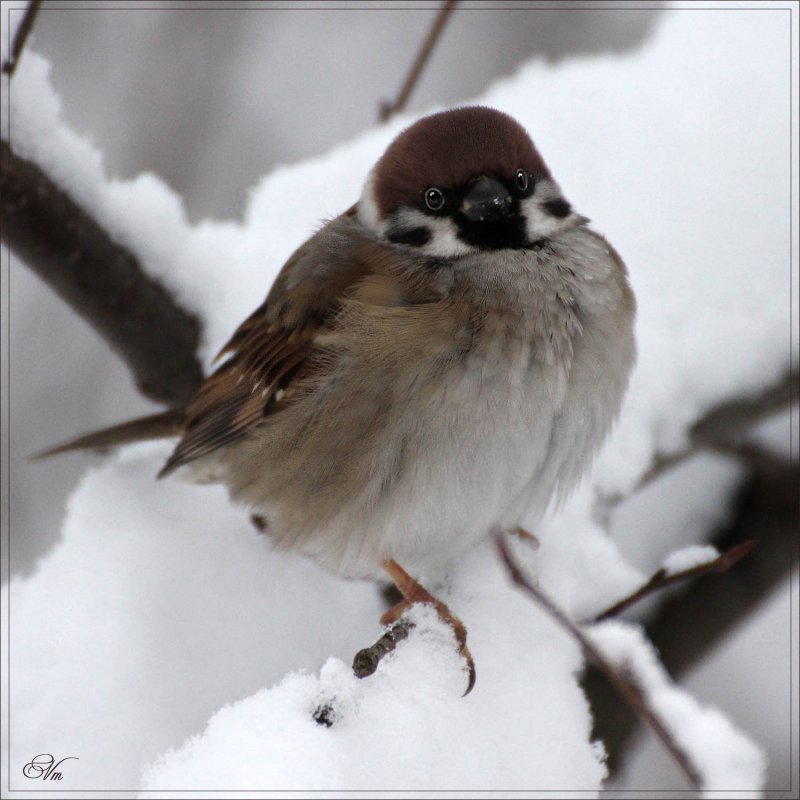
<point x="440" y="360"/>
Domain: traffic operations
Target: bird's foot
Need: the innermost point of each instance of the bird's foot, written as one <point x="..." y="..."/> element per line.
<point x="414" y="592"/>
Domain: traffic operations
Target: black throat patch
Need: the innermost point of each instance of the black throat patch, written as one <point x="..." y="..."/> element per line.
<point x="502" y="234"/>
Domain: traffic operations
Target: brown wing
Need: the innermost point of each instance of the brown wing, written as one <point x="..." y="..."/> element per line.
<point x="276" y="343"/>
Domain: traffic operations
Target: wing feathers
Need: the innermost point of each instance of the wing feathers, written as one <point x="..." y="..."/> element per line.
<point x="275" y="346"/>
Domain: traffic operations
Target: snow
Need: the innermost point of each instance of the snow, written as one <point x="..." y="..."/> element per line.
<point x="399" y="730"/>
<point x="160" y="606"/>
<point x="689" y="557"/>
<point x="168" y="646"/>
<point x="188" y="608"/>
<point x="747" y="664"/>
<point x="724" y="757"/>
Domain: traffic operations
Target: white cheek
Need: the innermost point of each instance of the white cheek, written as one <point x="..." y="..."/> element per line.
<point x="368" y="208"/>
<point x="539" y="224"/>
<point x="444" y="241"/>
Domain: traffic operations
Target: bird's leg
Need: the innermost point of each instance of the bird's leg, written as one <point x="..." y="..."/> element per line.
<point x="412" y="593"/>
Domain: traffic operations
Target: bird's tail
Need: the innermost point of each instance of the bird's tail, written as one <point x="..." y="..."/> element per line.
<point x="156" y="426"/>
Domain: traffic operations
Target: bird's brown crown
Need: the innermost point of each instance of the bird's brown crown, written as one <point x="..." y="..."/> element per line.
<point x="448" y="150"/>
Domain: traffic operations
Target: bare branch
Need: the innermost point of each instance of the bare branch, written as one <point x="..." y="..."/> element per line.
<point x="366" y="661"/>
<point x="364" y="664"/>
<point x="388" y="109"/>
<point x="733" y="418"/>
<point x="661" y="579"/>
<point x="629" y="692"/>
<point x="689" y="624"/>
<point x="101" y="280"/>
<point x="21" y="36"/>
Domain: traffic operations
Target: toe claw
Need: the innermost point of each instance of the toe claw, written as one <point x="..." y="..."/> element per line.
<point x="414" y="593"/>
<point x="471" y="667"/>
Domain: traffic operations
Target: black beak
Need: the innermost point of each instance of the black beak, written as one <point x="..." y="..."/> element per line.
<point x="487" y="200"/>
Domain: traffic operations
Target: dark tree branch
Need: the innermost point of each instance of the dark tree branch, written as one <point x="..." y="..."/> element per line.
<point x="21" y="36"/>
<point x="101" y="280"/>
<point x="629" y="692"/>
<point x="691" y="623"/>
<point x="387" y="108"/>
<point x="661" y="579"/>
<point x="733" y="418"/>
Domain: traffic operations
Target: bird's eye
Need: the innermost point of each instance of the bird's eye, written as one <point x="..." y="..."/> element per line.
<point x="434" y="198"/>
<point x="521" y="180"/>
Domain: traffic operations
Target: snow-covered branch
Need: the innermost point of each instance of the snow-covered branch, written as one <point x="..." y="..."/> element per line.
<point x="668" y="575"/>
<point x="618" y="678"/>
<point x="101" y="280"/>
<point x="690" y="623"/>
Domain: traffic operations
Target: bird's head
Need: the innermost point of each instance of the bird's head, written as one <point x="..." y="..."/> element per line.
<point x="460" y="181"/>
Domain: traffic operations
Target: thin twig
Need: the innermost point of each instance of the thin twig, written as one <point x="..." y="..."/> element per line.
<point x="661" y="579"/>
<point x="366" y="661"/>
<point x="21" y="36"/>
<point x="387" y="108"/>
<point x="626" y="688"/>
<point x="364" y="664"/>
<point x="101" y="280"/>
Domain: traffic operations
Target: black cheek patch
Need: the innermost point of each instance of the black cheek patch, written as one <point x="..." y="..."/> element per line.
<point x="557" y="208"/>
<point x="416" y="237"/>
